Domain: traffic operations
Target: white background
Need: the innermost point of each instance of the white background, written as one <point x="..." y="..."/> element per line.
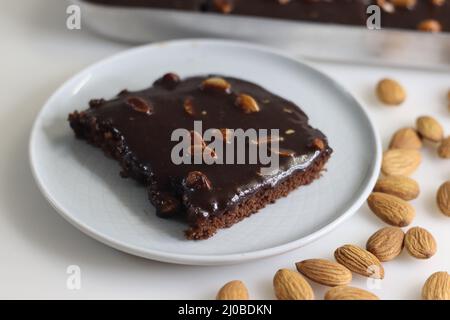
<point x="37" y="53"/>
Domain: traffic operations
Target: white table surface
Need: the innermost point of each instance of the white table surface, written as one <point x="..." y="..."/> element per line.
<point x="37" y="245"/>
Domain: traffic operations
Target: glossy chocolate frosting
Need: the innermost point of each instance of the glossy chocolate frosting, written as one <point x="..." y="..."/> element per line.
<point x="144" y="121"/>
<point x="330" y="11"/>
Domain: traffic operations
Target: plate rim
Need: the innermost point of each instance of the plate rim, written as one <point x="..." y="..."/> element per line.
<point x="202" y="259"/>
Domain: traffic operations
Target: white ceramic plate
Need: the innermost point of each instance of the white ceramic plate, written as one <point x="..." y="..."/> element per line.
<point x="85" y="187"/>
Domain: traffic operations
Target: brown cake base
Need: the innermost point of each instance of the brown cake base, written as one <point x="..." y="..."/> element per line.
<point x="205" y="228"/>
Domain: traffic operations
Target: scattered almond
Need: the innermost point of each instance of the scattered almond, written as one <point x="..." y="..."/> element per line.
<point x="359" y="261"/>
<point x="390" y="92"/>
<point x="391" y="209"/>
<point x="386" y="244"/>
<point x="325" y="272"/>
<point x="216" y="83"/>
<point x="404" y="3"/>
<point x="247" y="103"/>
<point x="400" y="162"/>
<point x="349" y="293"/>
<point x="429" y="25"/>
<point x="429" y="128"/>
<point x="233" y="290"/>
<point x="169" y="80"/>
<point x="140" y="105"/>
<point x="444" y="148"/>
<point x="443" y="198"/>
<point x="437" y="287"/>
<point x="438" y="2"/>
<point x="289" y="131"/>
<point x="318" y="144"/>
<point x="197" y="180"/>
<point x="189" y="106"/>
<point x="406" y="138"/>
<point x="386" y="6"/>
<point x="290" y="285"/>
<point x="420" y="243"/>
<point x="399" y="186"/>
<point x="224" y="6"/>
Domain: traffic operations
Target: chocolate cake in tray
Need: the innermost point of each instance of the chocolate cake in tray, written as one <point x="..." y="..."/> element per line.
<point x="135" y="128"/>
<point x="425" y="15"/>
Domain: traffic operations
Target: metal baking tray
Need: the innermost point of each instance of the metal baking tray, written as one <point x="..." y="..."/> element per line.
<point x="318" y="41"/>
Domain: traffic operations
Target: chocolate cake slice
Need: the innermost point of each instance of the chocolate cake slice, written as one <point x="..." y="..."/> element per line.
<point x="144" y="130"/>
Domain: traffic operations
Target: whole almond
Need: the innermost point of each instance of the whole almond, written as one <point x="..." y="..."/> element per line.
<point x="247" y="103"/>
<point x="359" y="261"/>
<point x="290" y="285"/>
<point x="404" y="3"/>
<point x="325" y="272"/>
<point x="140" y="105"/>
<point x="406" y="138"/>
<point x="386" y="243"/>
<point x="443" y="198"/>
<point x="437" y="287"/>
<point x="390" y="92"/>
<point x="444" y="148"/>
<point x="233" y="290"/>
<point x="438" y="2"/>
<point x="224" y="6"/>
<point x="429" y="128"/>
<point x="189" y="106"/>
<point x="216" y="83"/>
<point x="429" y="25"/>
<point x="420" y="243"/>
<point x="391" y="209"/>
<point x="400" y="186"/>
<point x="386" y="6"/>
<point x="401" y="162"/>
<point x="349" y="293"/>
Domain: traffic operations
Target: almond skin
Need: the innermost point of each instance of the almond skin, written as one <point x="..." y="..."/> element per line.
<point x="386" y="244"/>
<point x="438" y="2"/>
<point x="430" y="129"/>
<point x="233" y="290"/>
<point x="444" y="148"/>
<point x="404" y="3"/>
<point x="290" y="285"/>
<point x="443" y="198"/>
<point x="349" y="293"/>
<point x="437" y="287"/>
<point x="401" y="162"/>
<point x="406" y="138"/>
<point x="429" y="25"/>
<point x="391" y="209"/>
<point x="247" y="103"/>
<point x="390" y="92"/>
<point x="359" y="261"/>
<point x="399" y="186"/>
<point x="216" y="83"/>
<point x="325" y="272"/>
<point x="420" y="243"/>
